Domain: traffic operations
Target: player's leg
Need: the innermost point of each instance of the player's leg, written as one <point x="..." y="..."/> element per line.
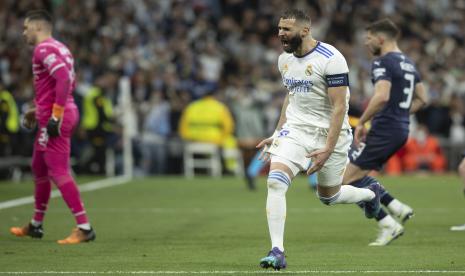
<point x="389" y="228"/>
<point x="358" y="177"/>
<point x="372" y="155"/>
<point x="59" y="172"/>
<point x="312" y="180"/>
<point x="279" y="179"/>
<point x="330" y="194"/>
<point x="57" y="158"/>
<point x="254" y="168"/>
<point x="42" y="189"/>
<point x="330" y="177"/>
<point x="280" y="176"/>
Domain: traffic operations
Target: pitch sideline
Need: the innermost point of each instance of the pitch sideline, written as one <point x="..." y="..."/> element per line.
<point x="91" y="186"/>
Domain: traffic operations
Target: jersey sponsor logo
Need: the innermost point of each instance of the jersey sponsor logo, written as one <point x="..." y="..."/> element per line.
<point x="50" y="59"/>
<point x="407" y="67"/>
<point x="378" y="72"/>
<point x="297" y="85"/>
<point x="309" y="70"/>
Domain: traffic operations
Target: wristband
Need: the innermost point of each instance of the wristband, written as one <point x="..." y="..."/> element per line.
<point x="57" y="111"/>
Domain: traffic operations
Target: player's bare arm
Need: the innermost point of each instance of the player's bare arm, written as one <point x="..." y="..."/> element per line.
<point x="377" y="102"/>
<point x="266" y="142"/>
<point x="420" y="99"/>
<point x="282" y="117"/>
<point x="337" y="96"/>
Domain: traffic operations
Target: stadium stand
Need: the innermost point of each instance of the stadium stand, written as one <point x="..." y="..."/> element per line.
<point x="180" y="48"/>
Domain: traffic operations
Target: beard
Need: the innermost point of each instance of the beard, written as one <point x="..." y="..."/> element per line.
<point x="376" y="51"/>
<point x="31" y="40"/>
<point x="293" y="44"/>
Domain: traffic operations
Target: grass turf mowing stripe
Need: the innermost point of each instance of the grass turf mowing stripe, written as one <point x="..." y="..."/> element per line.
<point x="241" y="272"/>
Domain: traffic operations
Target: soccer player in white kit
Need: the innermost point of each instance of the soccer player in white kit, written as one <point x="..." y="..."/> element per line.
<point x="313" y="127"/>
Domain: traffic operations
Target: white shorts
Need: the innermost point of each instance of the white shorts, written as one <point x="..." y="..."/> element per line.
<point x="294" y="144"/>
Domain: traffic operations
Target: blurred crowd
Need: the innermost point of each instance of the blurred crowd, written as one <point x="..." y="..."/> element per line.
<point x="176" y="51"/>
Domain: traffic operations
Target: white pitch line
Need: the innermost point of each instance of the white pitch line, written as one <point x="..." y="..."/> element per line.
<point x="244" y="272"/>
<point x="94" y="185"/>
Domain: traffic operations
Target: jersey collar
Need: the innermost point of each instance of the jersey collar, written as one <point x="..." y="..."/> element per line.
<point x="309" y="52"/>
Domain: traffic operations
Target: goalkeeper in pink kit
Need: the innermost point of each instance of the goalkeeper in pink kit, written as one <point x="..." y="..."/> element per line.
<point x="56" y="116"/>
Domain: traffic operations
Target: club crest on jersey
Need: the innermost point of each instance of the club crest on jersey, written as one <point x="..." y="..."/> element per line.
<point x="309" y="70"/>
<point x="285" y="68"/>
<point x="50" y="60"/>
<point x="275" y="143"/>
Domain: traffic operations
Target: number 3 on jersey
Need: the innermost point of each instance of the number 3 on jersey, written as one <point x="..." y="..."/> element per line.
<point x="408" y="90"/>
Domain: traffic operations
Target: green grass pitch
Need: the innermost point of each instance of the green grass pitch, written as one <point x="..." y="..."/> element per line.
<point x="170" y="225"/>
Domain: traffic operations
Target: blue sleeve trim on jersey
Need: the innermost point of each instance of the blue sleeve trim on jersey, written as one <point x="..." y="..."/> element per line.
<point x="337" y="80"/>
<point x="324" y="49"/>
<point x="323" y="53"/>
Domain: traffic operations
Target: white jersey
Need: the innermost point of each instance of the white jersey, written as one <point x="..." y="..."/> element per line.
<point x="307" y="78"/>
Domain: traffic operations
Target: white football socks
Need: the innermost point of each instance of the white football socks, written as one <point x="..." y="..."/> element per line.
<point x="386" y="222"/>
<point x="84" y="226"/>
<point x="276" y="212"/>
<point x="36" y="223"/>
<point x="351" y="194"/>
<point x="395" y="207"/>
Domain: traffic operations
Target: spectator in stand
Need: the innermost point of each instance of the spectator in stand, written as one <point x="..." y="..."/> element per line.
<point x="191" y="44"/>
<point x="155" y="133"/>
<point x="208" y="120"/>
<point x="9" y="122"/>
<point x="423" y="152"/>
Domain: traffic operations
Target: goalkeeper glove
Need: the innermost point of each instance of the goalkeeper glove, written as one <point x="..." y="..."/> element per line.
<point x="54" y="123"/>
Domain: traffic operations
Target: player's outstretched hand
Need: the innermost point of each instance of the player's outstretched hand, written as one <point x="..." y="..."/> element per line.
<point x="319" y="158"/>
<point x="360" y="134"/>
<point x="265" y="144"/>
<point x="29" y="119"/>
<point x="53" y="127"/>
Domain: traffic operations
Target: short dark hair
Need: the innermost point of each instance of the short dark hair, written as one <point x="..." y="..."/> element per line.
<point x="385" y="26"/>
<point x="40" y="15"/>
<point x="296" y="14"/>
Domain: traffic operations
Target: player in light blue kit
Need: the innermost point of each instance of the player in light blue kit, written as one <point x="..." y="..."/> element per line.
<point x="313" y="126"/>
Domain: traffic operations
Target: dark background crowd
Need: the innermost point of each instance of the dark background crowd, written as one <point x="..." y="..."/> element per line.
<point x="176" y="51"/>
